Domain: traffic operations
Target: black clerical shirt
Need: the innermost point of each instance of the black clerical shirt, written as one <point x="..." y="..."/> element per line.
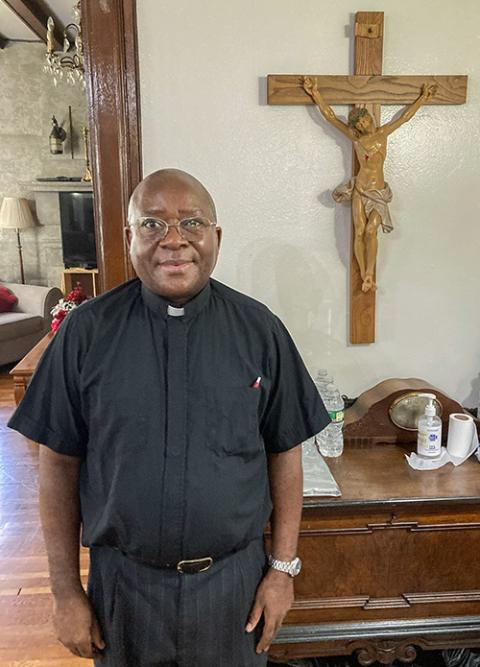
<point x="172" y="412"/>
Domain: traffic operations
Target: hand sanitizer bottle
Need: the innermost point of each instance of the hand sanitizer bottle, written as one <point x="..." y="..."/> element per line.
<point x="429" y="442"/>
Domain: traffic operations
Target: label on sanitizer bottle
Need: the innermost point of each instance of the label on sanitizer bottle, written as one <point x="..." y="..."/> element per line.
<point x="429" y="442"/>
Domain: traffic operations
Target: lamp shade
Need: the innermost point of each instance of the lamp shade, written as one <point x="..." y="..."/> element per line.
<point x="15" y="213"/>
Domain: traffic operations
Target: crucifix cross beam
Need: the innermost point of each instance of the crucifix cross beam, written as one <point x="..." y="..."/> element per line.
<point x="288" y="89"/>
<point x="367" y="88"/>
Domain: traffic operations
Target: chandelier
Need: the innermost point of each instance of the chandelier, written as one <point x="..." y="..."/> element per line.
<point x="69" y="62"/>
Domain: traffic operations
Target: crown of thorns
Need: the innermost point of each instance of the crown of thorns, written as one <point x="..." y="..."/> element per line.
<point x="355" y="115"/>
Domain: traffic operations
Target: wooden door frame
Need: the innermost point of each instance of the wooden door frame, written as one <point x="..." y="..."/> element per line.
<point x="111" y="54"/>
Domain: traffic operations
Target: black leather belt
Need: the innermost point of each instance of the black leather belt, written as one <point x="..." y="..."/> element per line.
<point x="190" y="566"/>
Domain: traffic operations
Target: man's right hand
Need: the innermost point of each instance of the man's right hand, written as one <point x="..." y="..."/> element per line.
<point x="429" y="90"/>
<point x="76" y="625"/>
<point x="310" y="86"/>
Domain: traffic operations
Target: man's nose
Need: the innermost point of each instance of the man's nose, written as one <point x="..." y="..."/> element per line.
<point x="173" y="238"/>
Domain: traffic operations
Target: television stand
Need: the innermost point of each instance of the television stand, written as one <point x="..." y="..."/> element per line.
<point x="88" y="279"/>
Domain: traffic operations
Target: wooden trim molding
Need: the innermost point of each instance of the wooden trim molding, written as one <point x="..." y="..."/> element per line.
<point x="389" y="629"/>
<point x="404" y="600"/>
<point x="110" y="35"/>
<point x="375" y="641"/>
<point x="409" y="526"/>
<point x="385" y="652"/>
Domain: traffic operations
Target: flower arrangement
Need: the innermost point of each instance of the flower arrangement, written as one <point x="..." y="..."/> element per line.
<point x="64" y="306"/>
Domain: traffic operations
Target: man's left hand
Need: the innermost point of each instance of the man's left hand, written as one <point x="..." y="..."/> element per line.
<point x="274" y="598"/>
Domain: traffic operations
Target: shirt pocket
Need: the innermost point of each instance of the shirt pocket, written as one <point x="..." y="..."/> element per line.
<point x="232" y="420"/>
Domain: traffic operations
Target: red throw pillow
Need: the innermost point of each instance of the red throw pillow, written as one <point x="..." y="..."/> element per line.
<point x="7" y="299"/>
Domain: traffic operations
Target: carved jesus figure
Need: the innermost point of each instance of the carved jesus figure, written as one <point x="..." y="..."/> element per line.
<point x="368" y="191"/>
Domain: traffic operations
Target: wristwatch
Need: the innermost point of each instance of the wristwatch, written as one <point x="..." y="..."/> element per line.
<point x="291" y="567"/>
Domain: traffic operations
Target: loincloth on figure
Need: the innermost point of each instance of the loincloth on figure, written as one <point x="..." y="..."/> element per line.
<point x="373" y="200"/>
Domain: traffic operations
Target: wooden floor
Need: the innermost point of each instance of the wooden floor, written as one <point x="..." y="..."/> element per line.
<point x="26" y="633"/>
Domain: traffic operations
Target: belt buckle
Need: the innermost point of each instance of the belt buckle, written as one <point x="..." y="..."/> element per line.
<point x="190" y="565"/>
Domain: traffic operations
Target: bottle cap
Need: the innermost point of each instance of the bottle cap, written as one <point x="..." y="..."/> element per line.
<point x="430" y="409"/>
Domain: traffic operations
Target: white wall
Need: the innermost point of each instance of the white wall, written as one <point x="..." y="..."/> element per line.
<point x="271" y="170"/>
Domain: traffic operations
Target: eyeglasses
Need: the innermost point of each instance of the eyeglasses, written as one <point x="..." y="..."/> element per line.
<point x="191" y="229"/>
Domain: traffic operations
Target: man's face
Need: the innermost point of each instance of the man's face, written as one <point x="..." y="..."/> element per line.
<point x="364" y="124"/>
<point x="175" y="268"/>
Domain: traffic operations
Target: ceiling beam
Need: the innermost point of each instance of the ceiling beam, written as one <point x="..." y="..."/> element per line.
<point x="35" y="17"/>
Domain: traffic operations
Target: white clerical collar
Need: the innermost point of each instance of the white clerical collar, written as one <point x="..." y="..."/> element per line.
<point x="175" y="312"/>
<point x="161" y="306"/>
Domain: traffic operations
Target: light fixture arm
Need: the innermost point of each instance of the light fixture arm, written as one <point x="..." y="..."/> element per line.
<point x="70" y="59"/>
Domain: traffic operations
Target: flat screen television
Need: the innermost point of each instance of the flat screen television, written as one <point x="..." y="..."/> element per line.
<point x="78" y="230"/>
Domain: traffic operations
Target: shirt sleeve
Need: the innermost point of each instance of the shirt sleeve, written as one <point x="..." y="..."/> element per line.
<point x="50" y="412"/>
<point x="294" y="409"/>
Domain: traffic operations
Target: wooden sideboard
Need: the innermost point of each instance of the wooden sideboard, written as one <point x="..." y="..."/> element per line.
<point x="391" y="565"/>
<point x="23" y="371"/>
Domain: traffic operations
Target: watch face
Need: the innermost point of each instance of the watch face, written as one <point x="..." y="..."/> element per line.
<point x="296" y="566"/>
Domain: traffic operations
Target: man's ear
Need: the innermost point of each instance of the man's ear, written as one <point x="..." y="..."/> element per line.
<point x="128" y="235"/>
<point x="219" y="232"/>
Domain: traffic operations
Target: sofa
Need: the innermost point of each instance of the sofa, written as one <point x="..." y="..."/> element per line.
<point x="28" y="322"/>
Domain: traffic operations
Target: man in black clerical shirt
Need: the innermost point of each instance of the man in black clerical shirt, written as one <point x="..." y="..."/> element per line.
<point x="171" y="409"/>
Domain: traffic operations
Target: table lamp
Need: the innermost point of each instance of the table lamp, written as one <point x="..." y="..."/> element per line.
<point x="15" y="214"/>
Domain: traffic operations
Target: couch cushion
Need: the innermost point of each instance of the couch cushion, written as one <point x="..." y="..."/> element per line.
<point x="16" y="325"/>
<point x="7" y="299"/>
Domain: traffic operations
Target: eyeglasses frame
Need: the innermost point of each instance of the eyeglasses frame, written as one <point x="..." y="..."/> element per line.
<point x="138" y="222"/>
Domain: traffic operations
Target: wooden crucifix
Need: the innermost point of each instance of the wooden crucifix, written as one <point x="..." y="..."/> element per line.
<point x="368" y="89"/>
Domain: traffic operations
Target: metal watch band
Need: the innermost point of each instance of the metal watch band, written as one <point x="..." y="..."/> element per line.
<point x="289" y="567"/>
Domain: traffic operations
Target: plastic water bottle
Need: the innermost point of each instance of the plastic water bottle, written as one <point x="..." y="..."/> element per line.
<point x="321" y="373"/>
<point x="330" y="440"/>
<point x="322" y="380"/>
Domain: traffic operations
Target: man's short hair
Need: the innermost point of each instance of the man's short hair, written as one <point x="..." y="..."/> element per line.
<point x="355" y="115"/>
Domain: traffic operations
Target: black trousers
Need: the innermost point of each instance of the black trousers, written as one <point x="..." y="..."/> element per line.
<point x="153" y="617"/>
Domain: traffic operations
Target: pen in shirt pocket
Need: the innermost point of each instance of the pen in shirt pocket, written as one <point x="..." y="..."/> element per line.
<point x="256" y="384"/>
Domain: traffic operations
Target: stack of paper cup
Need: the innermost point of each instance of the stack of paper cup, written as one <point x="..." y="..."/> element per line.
<point x="460" y="434"/>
